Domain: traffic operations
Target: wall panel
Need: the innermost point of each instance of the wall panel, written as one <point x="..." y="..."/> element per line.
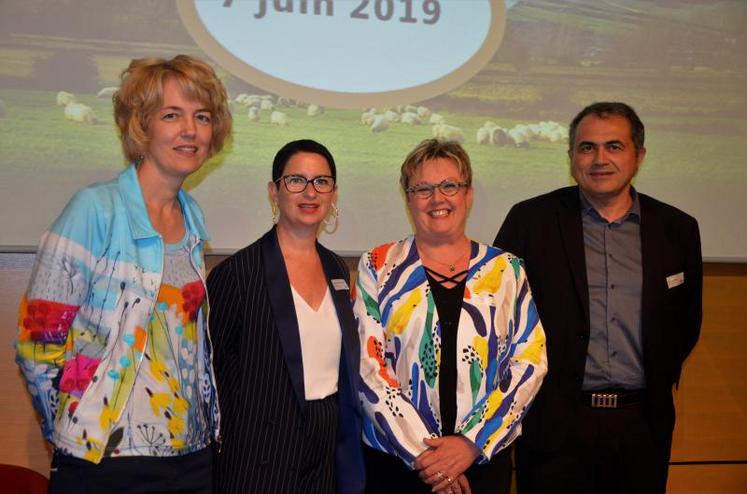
<point x="711" y="401"/>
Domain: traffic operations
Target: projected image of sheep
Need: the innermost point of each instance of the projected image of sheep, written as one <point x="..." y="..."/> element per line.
<point x="57" y="133"/>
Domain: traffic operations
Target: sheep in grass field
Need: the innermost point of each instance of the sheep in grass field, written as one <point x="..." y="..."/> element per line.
<point x="367" y="117"/>
<point x="444" y="132"/>
<point x="520" y="135"/>
<point x="409" y="118"/>
<point x="78" y="112"/>
<point x="379" y="124"/>
<point x="424" y="114"/>
<point x="279" y="118"/>
<point x="314" y="110"/>
<point x="64" y="98"/>
<point x="253" y="114"/>
<point x="391" y="115"/>
<point x="483" y="136"/>
<point x="107" y="92"/>
<point x="284" y="101"/>
<point x="266" y="104"/>
<point x="499" y="137"/>
<point x="436" y="118"/>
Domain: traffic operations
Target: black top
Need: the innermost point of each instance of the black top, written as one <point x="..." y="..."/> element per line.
<point x="448" y="305"/>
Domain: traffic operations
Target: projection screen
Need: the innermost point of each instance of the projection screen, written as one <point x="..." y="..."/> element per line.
<point x="372" y="78"/>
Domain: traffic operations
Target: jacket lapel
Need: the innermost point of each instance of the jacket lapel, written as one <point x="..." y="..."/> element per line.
<point x="283" y="310"/>
<point x="341" y="298"/>
<point x="571" y="231"/>
<point x="649" y="258"/>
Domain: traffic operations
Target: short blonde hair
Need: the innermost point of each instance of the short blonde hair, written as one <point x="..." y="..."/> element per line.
<point x="431" y="149"/>
<point x="141" y="94"/>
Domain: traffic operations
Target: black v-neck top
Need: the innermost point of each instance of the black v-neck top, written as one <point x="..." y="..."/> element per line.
<point x="448" y="303"/>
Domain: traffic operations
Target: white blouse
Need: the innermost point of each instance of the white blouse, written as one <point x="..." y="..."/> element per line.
<point x="321" y="344"/>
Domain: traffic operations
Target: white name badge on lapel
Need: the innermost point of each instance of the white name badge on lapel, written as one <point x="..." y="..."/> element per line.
<point x="675" y="280"/>
<point x="340" y="284"/>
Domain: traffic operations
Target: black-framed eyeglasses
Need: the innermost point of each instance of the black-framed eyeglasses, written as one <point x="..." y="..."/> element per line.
<point x="425" y="190"/>
<point x="297" y="183"/>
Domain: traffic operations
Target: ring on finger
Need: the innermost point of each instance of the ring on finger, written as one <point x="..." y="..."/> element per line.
<point x="449" y="480"/>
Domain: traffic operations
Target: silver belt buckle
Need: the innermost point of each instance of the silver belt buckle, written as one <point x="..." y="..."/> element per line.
<point x="604" y="400"/>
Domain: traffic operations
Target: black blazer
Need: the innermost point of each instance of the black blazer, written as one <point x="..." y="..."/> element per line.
<point x="547" y="233"/>
<point x="259" y="372"/>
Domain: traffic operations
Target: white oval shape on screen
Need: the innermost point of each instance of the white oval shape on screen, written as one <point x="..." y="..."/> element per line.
<point x="349" y="53"/>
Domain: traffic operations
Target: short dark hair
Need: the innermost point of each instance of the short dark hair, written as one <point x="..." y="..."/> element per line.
<point x="604" y="109"/>
<point x="300" y="146"/>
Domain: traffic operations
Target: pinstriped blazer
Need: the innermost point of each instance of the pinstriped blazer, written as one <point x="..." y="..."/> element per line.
<point x="259" y="372"/>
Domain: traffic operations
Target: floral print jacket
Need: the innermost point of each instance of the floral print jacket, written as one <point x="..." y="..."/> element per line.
<point x="81" y="329"/>
<point x="501" y="356"/>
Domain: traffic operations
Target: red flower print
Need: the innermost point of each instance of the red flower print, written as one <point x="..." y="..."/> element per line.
<point x="77" y="374"/>
<point x="194" y="295"/>
<point x="48" y="322"/>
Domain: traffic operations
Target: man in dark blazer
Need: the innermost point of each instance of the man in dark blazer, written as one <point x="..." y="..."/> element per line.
<point x="617" y="279"/>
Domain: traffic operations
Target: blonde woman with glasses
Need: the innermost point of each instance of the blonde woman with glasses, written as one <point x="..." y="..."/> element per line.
<point x="452" y="349"/>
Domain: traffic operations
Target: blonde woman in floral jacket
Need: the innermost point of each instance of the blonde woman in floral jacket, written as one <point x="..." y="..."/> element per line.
<point x="112" y="334"/>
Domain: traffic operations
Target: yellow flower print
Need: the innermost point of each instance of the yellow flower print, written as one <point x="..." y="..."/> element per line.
<point x="173" y="384"/>
<point x="158" y="401"/>
<point x="176" y="423"/>
<point x="158" y="370"/>
<point x="401" y="316"/>
<point x="93" y="447"/>
<point x="491" y="281"/>
<point x="180" y="405"/>
<point x="107" y="418"/>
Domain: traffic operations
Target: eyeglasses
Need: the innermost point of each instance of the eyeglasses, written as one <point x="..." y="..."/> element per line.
<point x="297" y="183"/>
<point x="425" y="190"/>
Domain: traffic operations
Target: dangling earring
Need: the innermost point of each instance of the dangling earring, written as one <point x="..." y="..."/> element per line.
<point x="275" y="213"/>
<point x="331" y="221"/>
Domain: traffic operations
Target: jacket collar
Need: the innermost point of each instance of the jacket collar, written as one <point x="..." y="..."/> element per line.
<point x="137" y="214"/>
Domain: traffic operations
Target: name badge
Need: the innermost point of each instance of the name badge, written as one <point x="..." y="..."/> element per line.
<point x="340" y="284"/>
<point x="675" y="280"/>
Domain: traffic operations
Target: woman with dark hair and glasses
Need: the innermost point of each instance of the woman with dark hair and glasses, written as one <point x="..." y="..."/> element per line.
<point x="286" y="347"/>
<point x="453" y="350"/>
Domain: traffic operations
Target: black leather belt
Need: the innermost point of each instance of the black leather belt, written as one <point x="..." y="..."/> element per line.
<point x="615" y="398"/>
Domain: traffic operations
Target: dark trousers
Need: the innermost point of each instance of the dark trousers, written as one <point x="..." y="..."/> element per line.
<point x="188" y="474"/>
<point x="305" y="465"/>
<point x="608" y="451"/>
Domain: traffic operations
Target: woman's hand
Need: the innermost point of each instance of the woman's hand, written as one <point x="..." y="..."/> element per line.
<point x="446" y="459"/>
<point x="459" y="486"/>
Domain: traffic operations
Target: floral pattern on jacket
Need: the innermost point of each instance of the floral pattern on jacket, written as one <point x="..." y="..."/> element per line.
<point x="81" y="324"/>
<point x="501" y="357"/>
